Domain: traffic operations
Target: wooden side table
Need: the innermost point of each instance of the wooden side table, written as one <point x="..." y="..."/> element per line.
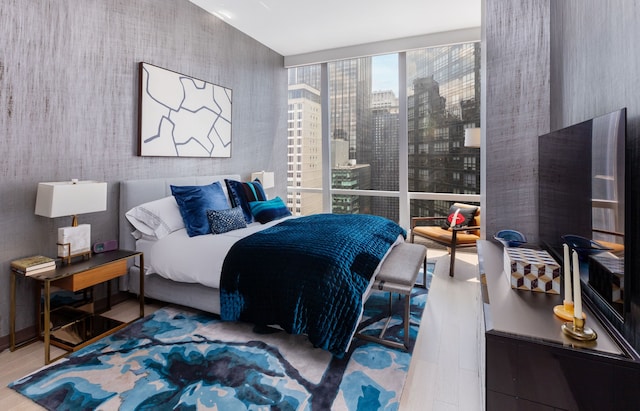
<point x="74" y="329"/>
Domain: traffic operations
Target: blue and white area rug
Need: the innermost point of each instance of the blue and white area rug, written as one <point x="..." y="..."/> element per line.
<point x="188" y="360"/>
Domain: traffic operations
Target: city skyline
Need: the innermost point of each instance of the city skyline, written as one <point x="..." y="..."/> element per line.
<point x="442" y="100"/>
<point x="385" y="73"/>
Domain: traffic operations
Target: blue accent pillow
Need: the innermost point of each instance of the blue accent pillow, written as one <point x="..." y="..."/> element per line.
<point x="194" y="201"/>
<point x="222" y="221"/>
<point x="265" y="211"/>
<point x="241" y="194"/>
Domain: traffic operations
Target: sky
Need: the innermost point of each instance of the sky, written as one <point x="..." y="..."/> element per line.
<point x="385" y="73"/>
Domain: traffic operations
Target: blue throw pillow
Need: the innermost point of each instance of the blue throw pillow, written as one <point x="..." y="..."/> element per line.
<point x="265" y="211"/>
<point x="194" y="201"/>
<point x="241" y="194"/>
<point x="222" y="221"/>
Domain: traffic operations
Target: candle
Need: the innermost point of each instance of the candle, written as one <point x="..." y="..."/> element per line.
<point x="577" y="297"/>
<point x="567" y="275"/>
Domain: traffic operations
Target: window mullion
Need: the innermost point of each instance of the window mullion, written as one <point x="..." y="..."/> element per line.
<point x="403" y="142"/>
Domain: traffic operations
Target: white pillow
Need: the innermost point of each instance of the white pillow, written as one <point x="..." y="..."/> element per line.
<point x="155" y="219"/>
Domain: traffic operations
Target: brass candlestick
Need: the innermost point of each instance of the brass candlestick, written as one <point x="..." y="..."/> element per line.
<point x="565" y="311"/>
<point x="578" y="331"/>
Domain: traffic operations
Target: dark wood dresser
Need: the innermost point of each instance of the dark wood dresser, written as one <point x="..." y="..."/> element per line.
<point x="531" y="365"/>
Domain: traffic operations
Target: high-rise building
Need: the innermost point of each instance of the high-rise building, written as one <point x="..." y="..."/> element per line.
<point x="350" y="120"/>
<point x="444" y="99"/>
<point x="350" y="101"/>
<point x="304" y="149"/>
<point x="384" y="162"/>
<point x="351" y="176"/>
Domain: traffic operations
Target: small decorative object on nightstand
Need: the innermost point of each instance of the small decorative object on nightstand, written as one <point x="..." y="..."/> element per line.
<point x="565" y="310"/>
<point x="33" y="265"/>
<point x="576" y="329"/>
<point x="70" y="198"/>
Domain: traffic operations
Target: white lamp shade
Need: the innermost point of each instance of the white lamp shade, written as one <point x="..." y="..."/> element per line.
<point x="70" y="198"/>
<point x="266" y="178"/>
<point x="472" y="137"/>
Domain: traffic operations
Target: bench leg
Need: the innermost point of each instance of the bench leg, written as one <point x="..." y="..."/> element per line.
<point x="380" y="338"/>
<point x="424" y="274"/>
<point x="407" y="319"/>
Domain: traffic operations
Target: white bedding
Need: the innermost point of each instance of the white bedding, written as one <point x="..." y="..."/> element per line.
<point x="199" y="259"/>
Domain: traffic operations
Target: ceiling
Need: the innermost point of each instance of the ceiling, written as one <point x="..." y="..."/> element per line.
<point x="292" y="27"/>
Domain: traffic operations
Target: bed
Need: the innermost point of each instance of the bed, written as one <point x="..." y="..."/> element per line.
<point x="187" y="270"/>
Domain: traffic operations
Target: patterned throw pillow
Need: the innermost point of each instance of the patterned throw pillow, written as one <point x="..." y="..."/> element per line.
<point x="265" y="211"/>
<point x="222" y="221"/>
<point x="241" y="194"/>
<point x="459" y="217"/>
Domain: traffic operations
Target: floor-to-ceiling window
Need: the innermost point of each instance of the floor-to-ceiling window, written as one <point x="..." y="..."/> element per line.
<point x="363" y="121"/>
<point x="443" y="93"/>
<point x="388" y="144"/>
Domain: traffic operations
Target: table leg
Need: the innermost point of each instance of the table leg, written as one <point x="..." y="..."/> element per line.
<point x="47" y="322"/>
<point x="141" y="286"/>
<point x="108" y="295"/>
<point x="12" y="313"/>
<point x="37" y="307"/>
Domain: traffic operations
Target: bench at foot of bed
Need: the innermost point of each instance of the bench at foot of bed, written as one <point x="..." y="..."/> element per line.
<point x="398" y="274"/>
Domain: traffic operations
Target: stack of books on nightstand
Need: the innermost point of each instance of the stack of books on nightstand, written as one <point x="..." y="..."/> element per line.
<point x="33" y="265"/>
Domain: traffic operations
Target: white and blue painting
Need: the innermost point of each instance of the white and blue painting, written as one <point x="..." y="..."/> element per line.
<point x="181" y="116"/>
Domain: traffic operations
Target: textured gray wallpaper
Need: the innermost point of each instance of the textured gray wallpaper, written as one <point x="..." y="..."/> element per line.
<point x="69" y="95"/>
<point x="516" y="103"/>
<point x="595" y="56"/>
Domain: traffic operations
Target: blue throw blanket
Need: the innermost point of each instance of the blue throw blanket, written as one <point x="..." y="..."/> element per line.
<point x="307" y="275"/>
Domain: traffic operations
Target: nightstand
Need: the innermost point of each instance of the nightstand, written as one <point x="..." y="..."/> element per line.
<point x="69" y="328"/>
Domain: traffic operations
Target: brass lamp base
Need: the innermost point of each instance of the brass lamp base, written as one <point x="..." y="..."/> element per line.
<point x="578" y="331"/>
<point x="67" y="256"/>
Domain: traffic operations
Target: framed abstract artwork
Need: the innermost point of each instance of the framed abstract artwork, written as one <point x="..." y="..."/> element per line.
<point x="180" y="116"/>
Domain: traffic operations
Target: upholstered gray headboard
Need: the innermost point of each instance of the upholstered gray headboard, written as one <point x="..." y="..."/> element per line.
<point x="136" y="192"/>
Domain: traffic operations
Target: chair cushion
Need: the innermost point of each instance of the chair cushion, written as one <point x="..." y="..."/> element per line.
<point x="441" y="235"/>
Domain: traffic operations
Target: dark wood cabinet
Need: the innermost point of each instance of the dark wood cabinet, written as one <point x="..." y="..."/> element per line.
<point x="531" y="365"/>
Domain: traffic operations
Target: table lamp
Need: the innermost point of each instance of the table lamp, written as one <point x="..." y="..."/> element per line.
<point x="70" y="198"/>
<point x="266" y="178"/>
<point x="472" y="137"/>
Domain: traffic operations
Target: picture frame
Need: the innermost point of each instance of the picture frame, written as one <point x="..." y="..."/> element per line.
<point x="182" y="116"/>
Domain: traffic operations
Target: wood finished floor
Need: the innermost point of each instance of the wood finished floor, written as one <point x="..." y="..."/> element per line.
<point x="444" y="374"/>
